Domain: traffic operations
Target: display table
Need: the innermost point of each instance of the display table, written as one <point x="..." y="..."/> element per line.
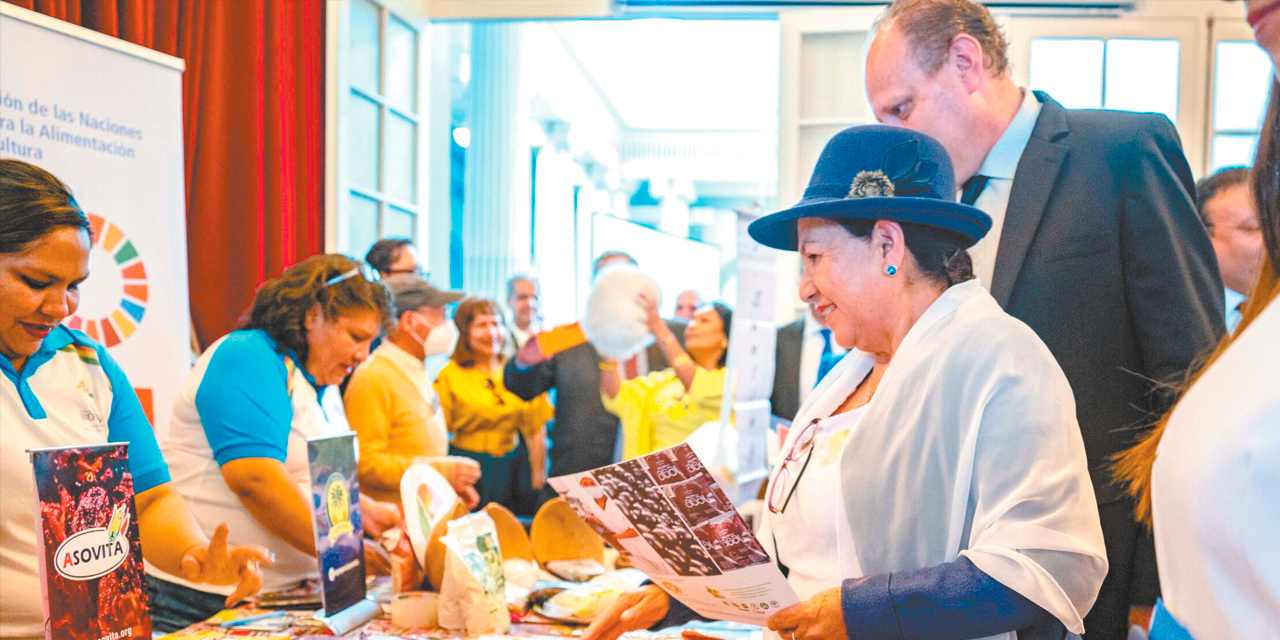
<point x="382" y="629"/>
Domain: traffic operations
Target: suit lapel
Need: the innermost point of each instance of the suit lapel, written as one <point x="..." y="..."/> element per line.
<point x="1032" y="185"/>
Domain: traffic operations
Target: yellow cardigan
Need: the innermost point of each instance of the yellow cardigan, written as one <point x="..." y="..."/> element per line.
<point x="395" y="420"/>
<point x="482" y="415"/>
<point x="656" y="412"/>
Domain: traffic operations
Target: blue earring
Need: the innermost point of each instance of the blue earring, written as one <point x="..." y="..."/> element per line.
<point x="891" y="270"/>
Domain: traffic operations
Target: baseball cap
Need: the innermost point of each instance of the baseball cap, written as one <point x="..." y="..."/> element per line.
<point x="411" y="292"/>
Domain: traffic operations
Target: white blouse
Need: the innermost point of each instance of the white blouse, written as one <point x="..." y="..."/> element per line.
<point x="1216" y="493"/>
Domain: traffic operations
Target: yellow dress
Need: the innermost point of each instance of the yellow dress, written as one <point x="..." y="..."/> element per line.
<point x="482" y="415"/>
<point x="656" y="412"/>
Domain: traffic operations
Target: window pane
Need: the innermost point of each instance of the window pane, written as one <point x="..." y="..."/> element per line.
<point x="1069" y="69"/>
<point x="1142" y="75"/>
<point x="401" y="159"/>
<point x="402" y="64"/>
<point x="1231" y="150"/>
<point x="363" y="135"/>
<point x="397" y="223"/>
<point x="1241" y="80"/>
<point x="365" y="54"/>
<point x="362" y="224"/>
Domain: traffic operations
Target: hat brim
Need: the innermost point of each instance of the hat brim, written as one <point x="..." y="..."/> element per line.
<point x="445" y="297"/>
<point x="778" y="230"/>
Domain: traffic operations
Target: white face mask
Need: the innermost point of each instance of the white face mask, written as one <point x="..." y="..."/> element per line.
<point x="440" y="339"/>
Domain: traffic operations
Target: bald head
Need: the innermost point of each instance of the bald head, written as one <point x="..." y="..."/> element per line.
<point x="941" y="67"/>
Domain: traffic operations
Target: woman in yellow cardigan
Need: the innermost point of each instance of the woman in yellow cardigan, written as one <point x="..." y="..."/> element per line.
<point x="489" y="424"/>
<point x="661" y="409"/>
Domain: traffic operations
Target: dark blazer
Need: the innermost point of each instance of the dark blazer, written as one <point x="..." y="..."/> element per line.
<point x="583" y="434"/>
<point x="786" y="376"/>
<point x="1103" y="255"/>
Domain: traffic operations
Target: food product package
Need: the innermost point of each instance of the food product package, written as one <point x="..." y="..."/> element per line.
<point x="583" y="602"/>
<point x="473" y="594"/>
<point x="521" y="572"/>
<point x="580" y="570"/>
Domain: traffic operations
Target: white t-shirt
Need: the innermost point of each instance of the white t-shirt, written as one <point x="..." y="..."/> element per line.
<point x="1216" y="493"/>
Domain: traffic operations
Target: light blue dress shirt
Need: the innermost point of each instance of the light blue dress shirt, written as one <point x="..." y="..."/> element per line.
<point x="1000" y="166"/>
<point x="1235" y="302"/>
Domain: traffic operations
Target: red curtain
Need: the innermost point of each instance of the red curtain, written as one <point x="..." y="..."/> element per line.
<point x="253" y="109"/>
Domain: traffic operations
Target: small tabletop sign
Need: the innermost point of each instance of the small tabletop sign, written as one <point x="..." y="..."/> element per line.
<point x="92" y="575"/>
<point x="335" y="507"/>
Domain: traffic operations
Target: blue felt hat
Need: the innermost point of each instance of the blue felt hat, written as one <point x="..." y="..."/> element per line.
<point x="878" y="172"/>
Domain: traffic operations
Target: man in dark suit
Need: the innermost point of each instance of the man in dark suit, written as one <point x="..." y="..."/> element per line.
<point x="805" y="352"/>
<point x="583" y="435"/>
<point x="1095" y="243"/>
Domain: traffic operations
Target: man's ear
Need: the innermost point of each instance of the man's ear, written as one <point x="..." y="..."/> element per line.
<point x="966" y="57"/>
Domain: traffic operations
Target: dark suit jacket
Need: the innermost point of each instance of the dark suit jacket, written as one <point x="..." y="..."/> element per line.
<point x="583" y="434"/>
<point x="1103" y="255"/>
<point x="786" y="375"/>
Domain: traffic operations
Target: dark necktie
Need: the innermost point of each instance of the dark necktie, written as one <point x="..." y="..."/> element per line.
<point x="829" y="357"/>
<point x="973" y="188"/>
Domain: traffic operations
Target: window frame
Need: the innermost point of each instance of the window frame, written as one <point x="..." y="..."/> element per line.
<point x="1189" y="31"/>
<point x="338" y="90"/>
<point x="1221" y="30"/>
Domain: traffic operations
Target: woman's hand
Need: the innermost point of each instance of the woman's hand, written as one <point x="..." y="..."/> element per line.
<point x="818" y="617"/>
<point x="639" y="609"/>
<point x="379" y="517"/>
<point x="653" y="319"/>
<point x="222" y="564"/>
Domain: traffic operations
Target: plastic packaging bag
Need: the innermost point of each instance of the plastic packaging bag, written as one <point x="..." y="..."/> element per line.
<point x="584" y="602"/>
<point x="473" y="596"/>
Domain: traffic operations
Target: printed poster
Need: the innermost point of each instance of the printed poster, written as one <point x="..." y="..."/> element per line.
<point x="92" y="574"/>
<point x="668" y="517"/>
<point x="335" y="493"/>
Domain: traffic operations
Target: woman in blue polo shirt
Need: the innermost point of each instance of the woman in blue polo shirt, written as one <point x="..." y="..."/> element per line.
<point x="51" y="396"/>
<point x="238" y="439"/>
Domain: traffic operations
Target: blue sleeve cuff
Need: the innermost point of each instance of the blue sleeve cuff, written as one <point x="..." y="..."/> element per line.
<point x="530" y="382"/>
<point x="868" y="609"/>
<point x="128" y="423"/>
<point x="949" y="601"/>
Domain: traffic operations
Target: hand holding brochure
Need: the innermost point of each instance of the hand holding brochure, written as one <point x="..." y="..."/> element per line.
<point x="666" y="515"/>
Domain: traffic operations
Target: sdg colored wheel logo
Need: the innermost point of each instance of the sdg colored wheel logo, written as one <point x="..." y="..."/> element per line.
<point x="112" y="323"/>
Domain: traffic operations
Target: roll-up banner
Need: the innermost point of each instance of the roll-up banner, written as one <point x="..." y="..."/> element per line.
<point x="105" y="117"/>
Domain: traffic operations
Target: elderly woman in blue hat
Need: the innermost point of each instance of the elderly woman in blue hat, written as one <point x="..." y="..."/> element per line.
<point x="934" y="485"/>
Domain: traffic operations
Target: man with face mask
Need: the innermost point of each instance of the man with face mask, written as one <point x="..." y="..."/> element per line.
<point x="390" y="401"/>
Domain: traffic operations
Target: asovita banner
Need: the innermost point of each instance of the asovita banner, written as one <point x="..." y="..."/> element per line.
<point x="105" y="116"/>
<point x="91" y="555"/>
